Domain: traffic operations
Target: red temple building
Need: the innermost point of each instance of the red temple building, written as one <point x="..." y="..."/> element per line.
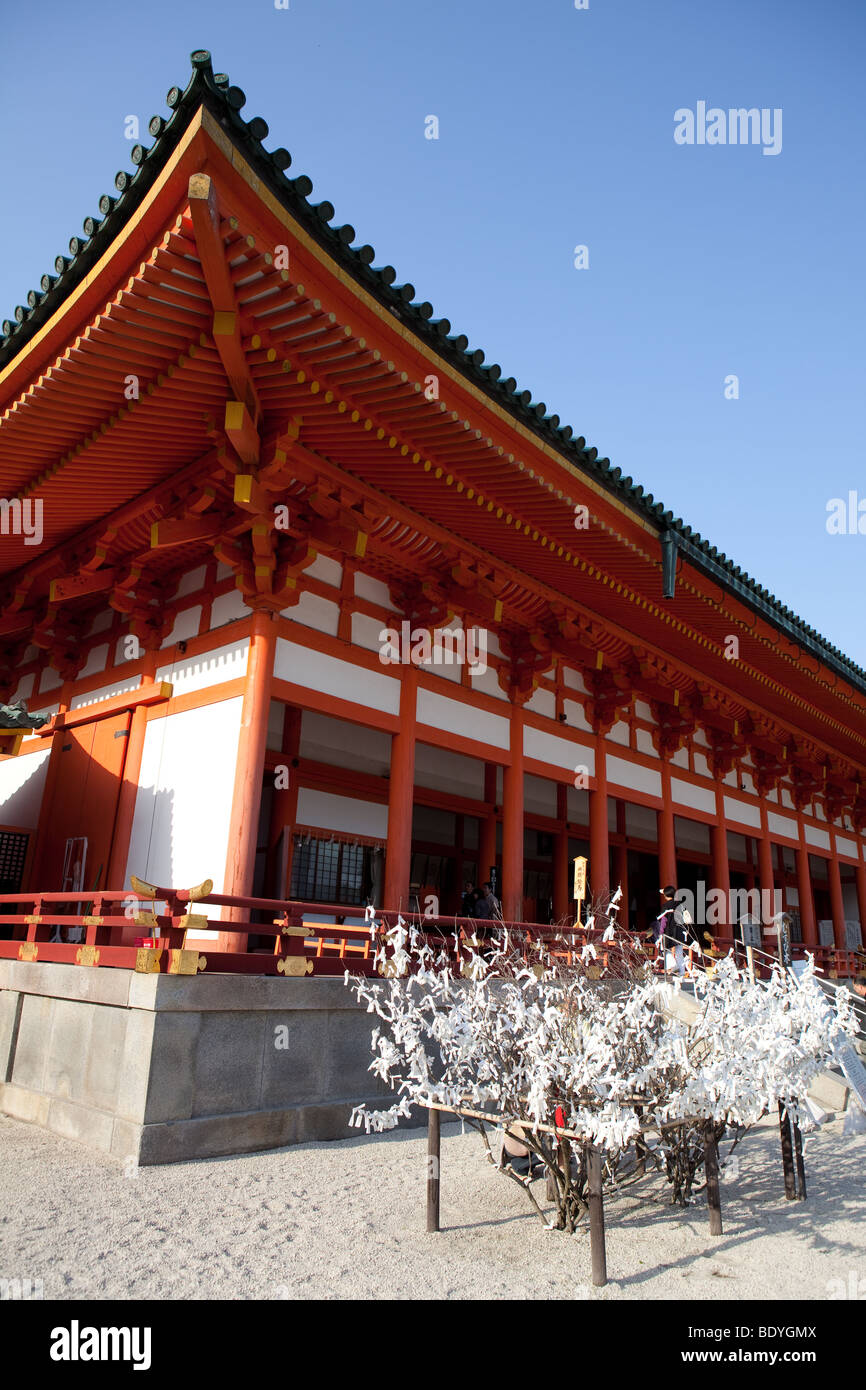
<point x="245" y="473"/>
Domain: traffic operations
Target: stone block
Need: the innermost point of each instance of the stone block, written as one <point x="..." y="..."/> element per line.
<point x="135" y="1065"/>
<point x="24" y="1104"/>
<point x="10" y="1005"/>
<point x="69" y="1048"/>
<point x="102" y="1063"/>
<point x="83" y="1123"/>
<point x="126" y="1140"/>
<point x="34" y="1032"/>
<point x="171" y="1087"/>
<point x="228" y="1062"/>
<point x="297" y="1073"/>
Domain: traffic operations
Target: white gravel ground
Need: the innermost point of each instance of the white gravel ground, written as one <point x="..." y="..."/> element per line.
<point x="346" y="1221"/>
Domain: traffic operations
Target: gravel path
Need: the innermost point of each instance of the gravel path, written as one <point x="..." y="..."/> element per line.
<point x="346" y="1220"/>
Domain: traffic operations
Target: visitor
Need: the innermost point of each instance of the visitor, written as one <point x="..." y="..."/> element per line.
<point x="860" y="986"/>
<point x="492" y="902"/>
<point x="480" y="907"/>
<point x="467" y="899"/>
<point x="662" y="922"/>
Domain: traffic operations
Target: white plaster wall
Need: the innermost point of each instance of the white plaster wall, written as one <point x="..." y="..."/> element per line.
<point x="193" y="581"/>
<point x="634" y="776"/>
<point x="366" y="630"/>
<point x="188" y="673"/>
<point x="457" y="718"/>
<point x="559" y="752"/>
<point x="848" y="847"/>
<point x="22" y="781"/>
<point x="96" y="659"/>
<point x="183" y="807"/>
<point x="644" y="743"/>
<point x="316" y="612"/>
<point x="687" y="794"/>
<point x="815" y="836"/>
<point x="782" y="825"/>
<point x="327" y="570"/>
<point x="742" y="812"/>
<point x="105" y="692"/>
<point x="347" y="815"/>
<point x="24" y="688"/>
<point x="539" y="795"/>
<point x="186" y="625"/>
<point x="373" y="590"/>
<point x="543" y="702"/>
<point x="227" y="608"/>
<point x="331" y="676"/>
<point x="620" y="733"/>
<point x="488" y="682"/>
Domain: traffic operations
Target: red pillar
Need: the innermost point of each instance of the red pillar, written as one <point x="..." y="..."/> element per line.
<point x="837" y="904"/>
<point x="117" y="865"/>
<point x="721" y="870"/>
<point x="767" y="876"/>
<point x="401" y="795"/>
<point x="667" y="842"/>
<point x="599" y="856"/>
<point x="861" y="899"/>
<point x="561" y="907"/>
<point x="487" y="838"/>
<point x="804" y="892"/>
<point x="512" y="824"/>
<point x="249" y="770"/>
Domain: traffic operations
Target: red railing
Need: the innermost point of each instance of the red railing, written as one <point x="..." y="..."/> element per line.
<point x="123" y="928"/>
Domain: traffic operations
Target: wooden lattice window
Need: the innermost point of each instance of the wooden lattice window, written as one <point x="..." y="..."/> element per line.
<point x="13" y="853"/>
<point x="330" y="871"/>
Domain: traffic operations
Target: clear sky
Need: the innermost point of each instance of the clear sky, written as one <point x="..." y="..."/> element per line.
<point x="556" y="129"/>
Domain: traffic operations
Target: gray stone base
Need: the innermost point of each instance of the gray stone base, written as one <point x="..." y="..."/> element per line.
<point x="163" y="1068"/>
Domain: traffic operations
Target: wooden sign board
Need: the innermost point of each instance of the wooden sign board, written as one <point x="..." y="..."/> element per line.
<point x="579" y="878"/>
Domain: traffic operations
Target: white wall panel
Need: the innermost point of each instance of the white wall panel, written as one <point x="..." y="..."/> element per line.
<point x="634" y="776"/>
<point x="559" y="752"/>
<point x="331" y="676"/>
<point x="188" y="673"/>
<point x="22" y="781"/>
<point x="105" y="692"/>
<point x="782" y="825"/>
<point x="815" y="836"/>
<point x="848" y="847"/>
<point x="327" y="570"/>
<point x="313" y="611"/>
<point x="345" y="814"/>
<point x="687" y="794"/>
<point x="457" y="718"/>
<point x="742" y="812"/>
<point x="183" y="808"/>
<point x="373" y="590"/>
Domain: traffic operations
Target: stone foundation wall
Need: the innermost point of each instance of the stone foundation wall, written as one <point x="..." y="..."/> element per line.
<point x="161" y="1068"/>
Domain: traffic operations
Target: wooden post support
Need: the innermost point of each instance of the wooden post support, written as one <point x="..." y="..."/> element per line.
<point x="433" y="1154"/>
<point x="711" y="1166"/>
<point x="596" y="1216"/>
<point x="801" y="1165"/>
<point x="787" y="1153"/>
<point x="639" y="1147"/>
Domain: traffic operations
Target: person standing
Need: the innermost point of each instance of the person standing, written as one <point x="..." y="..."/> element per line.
<point x="493" y="902"/>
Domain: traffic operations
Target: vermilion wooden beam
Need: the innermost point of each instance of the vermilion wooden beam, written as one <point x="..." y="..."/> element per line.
<point x="226" y="325"/>
<point x="179" y="531"/>
<point x="74" y="586"/>
<point x="241" y="430"/>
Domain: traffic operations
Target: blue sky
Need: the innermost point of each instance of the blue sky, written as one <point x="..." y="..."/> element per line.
<point x="556" y="129"/>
